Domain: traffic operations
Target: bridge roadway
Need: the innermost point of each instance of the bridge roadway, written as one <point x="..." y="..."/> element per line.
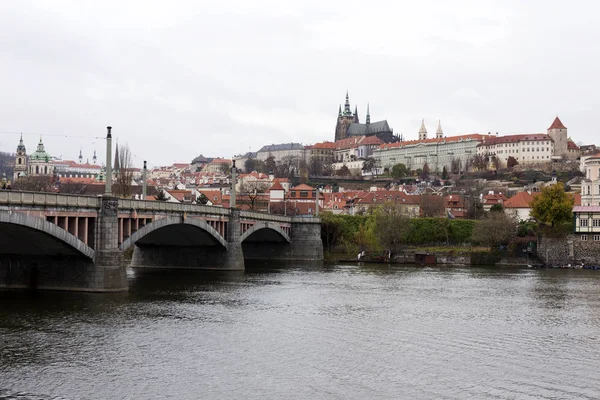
<point x="71" y="242"/>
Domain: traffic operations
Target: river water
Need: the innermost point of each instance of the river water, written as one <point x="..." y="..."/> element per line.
<point x="297" y="332"/>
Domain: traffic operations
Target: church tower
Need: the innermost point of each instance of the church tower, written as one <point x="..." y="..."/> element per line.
<point x="20" y="161"/>
<point x="344" y="120"/>
<point x="368" y="121"/>
<point x="422" y="131"/>
<point x="558" y="133"/>
<point x="439" y="133"/>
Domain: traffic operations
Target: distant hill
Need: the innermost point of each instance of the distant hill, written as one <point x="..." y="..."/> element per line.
<point x="7" y="164"/>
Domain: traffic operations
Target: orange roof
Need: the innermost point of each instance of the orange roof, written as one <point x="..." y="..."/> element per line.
<point x="557" y="124"/>
<point x="520" y="200"/>
<point x="371" y="140"/>
<point x="448" y="139"/>
<point x="577" y="197"/>
<point x="380" y="197"/>
<point x="348" y="143"/>
<point x="75" y="164"/>
<point x="180" y="165"/>
<point x="571" y="145"/>
<point x="492" y="140"/>
<point x="323" y="145"/>
<point x="276" y="186"/>
<point x="64" y="179"/>
<point x="303" y="186"/>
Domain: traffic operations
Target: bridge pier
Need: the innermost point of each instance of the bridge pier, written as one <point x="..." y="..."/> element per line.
<point x="233" y="259"/>
<point x="306" y="244"/>
<point x="109" y="272"/>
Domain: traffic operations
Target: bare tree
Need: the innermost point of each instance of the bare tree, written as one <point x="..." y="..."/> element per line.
<point x="391" y="225"/>
<point x="251" y="192"/>
<point x="124" y="173"/>
<point x="480" y="162"/>
<point x="225" y="168"/>
<point x="35" y="183"/>
<point x="72" y="187"/>
<point x="495" y="230"/>
<point x="432" y="205"/>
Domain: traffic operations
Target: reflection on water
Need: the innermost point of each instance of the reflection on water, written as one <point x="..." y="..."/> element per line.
<point x="296" y="331"/>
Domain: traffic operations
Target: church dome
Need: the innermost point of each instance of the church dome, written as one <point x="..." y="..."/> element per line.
<point x="40" y="153"/>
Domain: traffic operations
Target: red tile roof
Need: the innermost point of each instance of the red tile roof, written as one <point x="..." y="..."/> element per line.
<point x="557" y="124"/>
<point x="277" y="186"/>
<point x="323" y="145"/>
<point x="571" y="145"/>
<point x="520" y="200"/>
<point x="492" y="140"/>
<point x="303" y="186"/>
<point x="348" y="143"/>
<point x="371" y="140"/>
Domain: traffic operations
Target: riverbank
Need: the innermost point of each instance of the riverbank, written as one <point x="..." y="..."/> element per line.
<point x="442" y="256"/>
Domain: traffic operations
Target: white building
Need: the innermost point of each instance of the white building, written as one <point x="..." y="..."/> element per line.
<point x="527" y="148"/>
<point x="590" y="186"/>
<point x="280" y="151"/>
<point x="437" y="153"/>
<point x="534" y="147"/>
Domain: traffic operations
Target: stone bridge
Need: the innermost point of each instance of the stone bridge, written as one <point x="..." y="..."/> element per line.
<point x="70" y="242"/>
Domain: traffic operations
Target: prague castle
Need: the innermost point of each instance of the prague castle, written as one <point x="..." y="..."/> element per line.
<point x="348" y="125"/>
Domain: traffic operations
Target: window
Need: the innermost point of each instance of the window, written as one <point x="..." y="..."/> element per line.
<point x="596" y="222"/>
<point x="596" y="238"/>
<point x="303" y="193"/>
<point x="583" y="222"/>
<point x="584" y="237"/>
<point x="293" y="193"/>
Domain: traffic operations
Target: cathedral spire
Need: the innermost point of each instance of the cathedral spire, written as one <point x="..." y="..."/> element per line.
<point x="340" y="111"/>
<point x="116" y="162"/>
<point x="95" y="158"/>
<point x="356" y="114"/>
<point x="439" y="133"/>
<point x="80" y="157"/>
<point x="422" y="131"/>
<point x="347" y="111"/>
<point x="368" y="114"/>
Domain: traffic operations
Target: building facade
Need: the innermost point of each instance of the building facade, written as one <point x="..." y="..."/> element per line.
<point x="590" y="185"/>
<point x="437" y="153"/>
<point x="279" y="151"/>
<point x="532" y="148"/>
<point x="525" y="149"/>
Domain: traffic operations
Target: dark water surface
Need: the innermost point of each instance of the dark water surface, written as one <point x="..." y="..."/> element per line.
<point x="354" y="332"/>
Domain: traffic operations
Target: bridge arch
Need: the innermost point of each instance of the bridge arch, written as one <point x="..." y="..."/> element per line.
<point x="172" y="221"/>
<point x="47" y="228"/>
<point x="265" y="225"/>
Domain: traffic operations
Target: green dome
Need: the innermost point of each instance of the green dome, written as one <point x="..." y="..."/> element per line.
<point x="40" y="153"/>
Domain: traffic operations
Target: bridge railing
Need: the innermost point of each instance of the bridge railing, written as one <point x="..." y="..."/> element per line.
<point x="141" y="205"/>
<point x="16" y="198"/>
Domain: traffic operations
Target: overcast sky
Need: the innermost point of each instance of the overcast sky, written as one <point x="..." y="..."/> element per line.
<point x="180" y="78"/>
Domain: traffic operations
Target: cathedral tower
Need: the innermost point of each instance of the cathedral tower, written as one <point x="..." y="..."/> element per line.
<point x="344" y="120"/>
<point x="20" y="161"/>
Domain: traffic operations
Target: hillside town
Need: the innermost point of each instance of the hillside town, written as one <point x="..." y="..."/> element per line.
<point x="365" y="165"/>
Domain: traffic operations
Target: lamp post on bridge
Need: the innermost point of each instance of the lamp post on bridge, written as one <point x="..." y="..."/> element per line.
<point x="144" y="177"/>
<point x="233" y="182"/>
<point x="108" y="187"/>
